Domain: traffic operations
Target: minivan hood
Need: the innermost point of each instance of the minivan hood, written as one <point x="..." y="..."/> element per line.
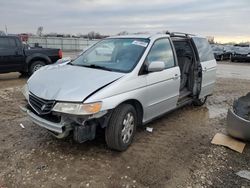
<point x="69" y="83"/>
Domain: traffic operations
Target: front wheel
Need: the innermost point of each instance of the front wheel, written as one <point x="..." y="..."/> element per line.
<point x="35" y="66"/>
<point x="120" y="132"/>
<point x="200" y="102"/>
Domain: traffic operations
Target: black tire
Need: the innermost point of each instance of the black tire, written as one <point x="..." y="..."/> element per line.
<point x="35" y="66"/>
<point x="200" y="102"/>
<point x="113" y="133"/>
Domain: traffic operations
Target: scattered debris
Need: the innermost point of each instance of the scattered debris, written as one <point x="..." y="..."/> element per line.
<point x="244" y="174"/>
<point x="149" y="129"/>
<point x="224" y="140"/>
<point x="21" y="125"/>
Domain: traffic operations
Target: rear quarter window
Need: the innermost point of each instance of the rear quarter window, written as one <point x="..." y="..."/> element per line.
<point x="204" y="49"/>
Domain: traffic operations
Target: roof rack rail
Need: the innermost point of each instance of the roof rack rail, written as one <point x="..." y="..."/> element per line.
<point x="179" y="34"/>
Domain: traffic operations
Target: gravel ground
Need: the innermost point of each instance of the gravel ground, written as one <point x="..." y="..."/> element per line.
<point x="178" y="152"/>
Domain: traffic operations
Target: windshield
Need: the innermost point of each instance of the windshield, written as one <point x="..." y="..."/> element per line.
<point x="119" y="54"/>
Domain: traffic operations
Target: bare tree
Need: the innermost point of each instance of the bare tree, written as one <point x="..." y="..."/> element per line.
<point x="94" y="35"/>
<point x="210" y="39"/>
<point x="123" y="33"/>
<point x="91" y="35"/>
<point x="39" y="31"/>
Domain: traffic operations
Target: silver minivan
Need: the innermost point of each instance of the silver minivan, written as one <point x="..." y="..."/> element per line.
<point x="119" y="83"/>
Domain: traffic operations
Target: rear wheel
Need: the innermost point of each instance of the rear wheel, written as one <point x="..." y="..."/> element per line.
<point x="122" y="126"/>
<point x="35" y="66"/>
<point x="200" y="102"/>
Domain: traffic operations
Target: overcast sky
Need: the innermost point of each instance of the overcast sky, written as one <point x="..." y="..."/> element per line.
<point x="224" y="19"/>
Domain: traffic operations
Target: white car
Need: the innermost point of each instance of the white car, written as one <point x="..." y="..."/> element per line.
<point x="143" y="78"/>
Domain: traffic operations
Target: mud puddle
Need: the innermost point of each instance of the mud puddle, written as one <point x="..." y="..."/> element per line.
<point x="217" y="111"/>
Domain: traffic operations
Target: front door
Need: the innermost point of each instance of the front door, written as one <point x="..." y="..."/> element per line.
<point x="11" y="56"/>
<point x="162" y="87"/>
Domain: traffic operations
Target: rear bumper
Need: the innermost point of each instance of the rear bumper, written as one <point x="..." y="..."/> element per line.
<point x="237" y="126"/>
<point x="55" y="127"/>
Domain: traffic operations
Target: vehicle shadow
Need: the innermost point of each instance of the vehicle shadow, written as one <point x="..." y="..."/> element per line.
<point x="12" y="80"/>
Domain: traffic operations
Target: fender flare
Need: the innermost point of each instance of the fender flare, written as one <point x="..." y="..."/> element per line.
<point x="38" y="56"/>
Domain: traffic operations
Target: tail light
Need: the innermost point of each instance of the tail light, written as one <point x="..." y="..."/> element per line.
<point x="60" y="54"/>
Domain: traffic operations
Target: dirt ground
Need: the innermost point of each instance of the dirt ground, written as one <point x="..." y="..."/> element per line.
<point x="178" y="152"/>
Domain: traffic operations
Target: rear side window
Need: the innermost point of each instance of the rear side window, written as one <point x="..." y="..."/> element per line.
<point x="4" y="43"/>
<point x="204" y="49"/>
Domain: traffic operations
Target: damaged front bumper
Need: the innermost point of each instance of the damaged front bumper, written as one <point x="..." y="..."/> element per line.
<point x="55" y="127"/>
<point x="83" y="127"/>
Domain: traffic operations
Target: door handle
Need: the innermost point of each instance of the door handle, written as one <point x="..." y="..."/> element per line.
<point x="205" y="69"/>
<point x="176" y="76"/>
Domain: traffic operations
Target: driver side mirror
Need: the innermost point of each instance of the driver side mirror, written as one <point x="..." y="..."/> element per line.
<point x="156" y="66"/>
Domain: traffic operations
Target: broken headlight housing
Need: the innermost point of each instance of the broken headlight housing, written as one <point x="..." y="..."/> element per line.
<point x="78" y="108"/>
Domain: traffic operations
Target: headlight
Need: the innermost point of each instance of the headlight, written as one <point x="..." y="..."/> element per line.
<point x="25" y="91"/>
<point x="78" y="108"/>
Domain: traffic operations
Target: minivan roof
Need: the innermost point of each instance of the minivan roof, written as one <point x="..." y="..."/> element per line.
<point x="153" y="36"/>
<point x="140" y="36"/>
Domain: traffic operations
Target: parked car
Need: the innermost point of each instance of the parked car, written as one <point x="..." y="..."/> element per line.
<point x="18" y="57"/>
<point x="241" y="54"/>
<point x="218" y="52"/>
<point x="143" y="78"/>
<point x="228" y="51"/>
<point x="222" y="52"/>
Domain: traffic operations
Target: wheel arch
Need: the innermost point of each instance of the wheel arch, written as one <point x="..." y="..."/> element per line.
<point x="138" y="107"/>
<point x="37" y="57"/>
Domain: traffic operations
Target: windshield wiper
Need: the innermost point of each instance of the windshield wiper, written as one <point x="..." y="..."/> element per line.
<point x="97" y="67"/>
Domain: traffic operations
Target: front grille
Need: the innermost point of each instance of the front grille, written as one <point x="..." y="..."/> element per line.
<point x="41" y="106"/>
<point x="49" y="117"/>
